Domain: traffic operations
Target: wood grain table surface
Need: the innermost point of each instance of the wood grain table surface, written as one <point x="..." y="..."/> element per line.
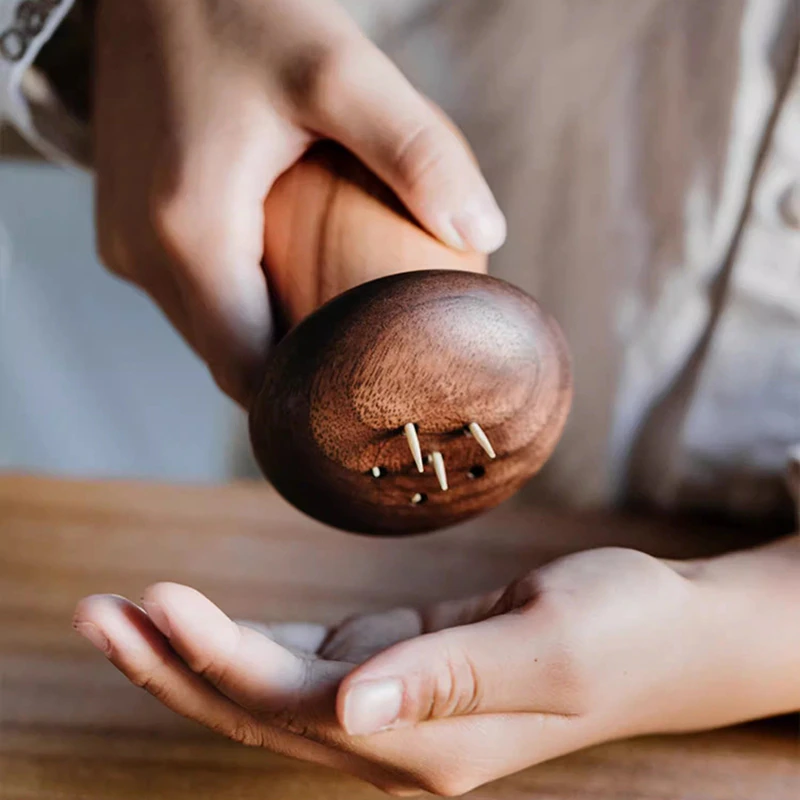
<point x="71" y="727"/>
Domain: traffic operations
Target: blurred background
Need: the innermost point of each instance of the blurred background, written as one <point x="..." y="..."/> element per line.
<point x="81" y="353"/>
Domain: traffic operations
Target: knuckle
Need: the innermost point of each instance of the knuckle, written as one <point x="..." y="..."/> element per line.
<point x="248" y="733"/>
<point x="175" y="226"/>
<point x="149" y="680"/>
<point x="419" y="155"/>
<point x="196" y="239"/>
<point x="454" y="689"/>
<point x="211" y="668"/>
<point x="298" y="724"/>
<point x="145" y="680"/>
<point x="314" y="81"/>
<point x="114" y="245"/>
<point x="212" y="671"/>
<point x="114" y="253"/>
<point x="187" y="223"/>
<point x="291" y="717"/>
<point x="288" y="719"/>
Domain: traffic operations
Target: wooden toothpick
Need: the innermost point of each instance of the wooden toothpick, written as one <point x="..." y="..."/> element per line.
<point x="413" y="443"/>
<point x="482" y="439"/>
<point x="438" y="468"/>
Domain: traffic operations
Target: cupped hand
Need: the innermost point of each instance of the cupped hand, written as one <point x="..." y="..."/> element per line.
<point x="200" y="106"/>
<point x="596" y="646"/>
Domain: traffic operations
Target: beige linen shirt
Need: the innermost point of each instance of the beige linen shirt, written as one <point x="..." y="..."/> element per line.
<point x="647" y="155"/>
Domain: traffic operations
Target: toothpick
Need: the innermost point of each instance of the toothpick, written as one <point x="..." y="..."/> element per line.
<point x="413" y="443"/>
<point x="438" y="468"/>
<point x="482" y="439"/>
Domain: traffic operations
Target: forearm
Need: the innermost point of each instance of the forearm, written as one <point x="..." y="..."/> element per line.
<point x="749" y="635"/>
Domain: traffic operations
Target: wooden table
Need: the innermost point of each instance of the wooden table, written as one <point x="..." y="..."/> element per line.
<point x="71" y="727"/>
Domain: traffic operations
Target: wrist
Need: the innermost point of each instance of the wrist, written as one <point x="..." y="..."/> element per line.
<point x="747" y="644"/>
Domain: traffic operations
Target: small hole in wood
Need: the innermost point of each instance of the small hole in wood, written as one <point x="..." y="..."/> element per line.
<point x="418" y="499"/>
<point x="477" y="471"/>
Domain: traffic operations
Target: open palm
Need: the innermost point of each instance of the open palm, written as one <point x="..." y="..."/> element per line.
<point x="442" y="699"/>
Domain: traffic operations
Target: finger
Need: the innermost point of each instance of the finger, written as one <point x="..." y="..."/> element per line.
<point x="128" y="638"/>
<point x="464" y="611"/>
<point x="131" y="642"/>
<point x="160" y="284"/>
<point x="209" y="222"/>
<point x="359" y="638"/>
<point x="300" y="637"/>
<point x="132" y="256"/>
<point x="293" y="691"/>
<point x="501" y="665"/>
<point x="360" y="99"/>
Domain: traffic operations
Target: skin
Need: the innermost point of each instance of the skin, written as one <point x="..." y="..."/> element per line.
<point x="596" y="646"/>
<point x="199" y="108"/>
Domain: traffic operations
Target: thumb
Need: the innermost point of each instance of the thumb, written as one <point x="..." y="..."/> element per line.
<point x="486" y="667"/>
<point x="366" y="104"/>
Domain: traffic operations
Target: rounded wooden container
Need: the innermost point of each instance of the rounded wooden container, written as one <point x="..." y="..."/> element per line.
<point x="437" y="350"/>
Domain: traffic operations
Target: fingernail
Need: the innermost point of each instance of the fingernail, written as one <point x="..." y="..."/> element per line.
<point x="481" y="226"/>
<point x="157" y="616"/>
<point x="91" y="632"/>
<point x="372" y="706"/>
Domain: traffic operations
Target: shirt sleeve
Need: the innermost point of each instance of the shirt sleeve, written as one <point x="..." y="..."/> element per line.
<point x="25" y="27"/>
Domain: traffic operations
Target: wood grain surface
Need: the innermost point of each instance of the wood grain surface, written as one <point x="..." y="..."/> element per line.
<point x="330" y="224"/>
<point x="437" y="350"/>
<point x="71" y="727"/>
